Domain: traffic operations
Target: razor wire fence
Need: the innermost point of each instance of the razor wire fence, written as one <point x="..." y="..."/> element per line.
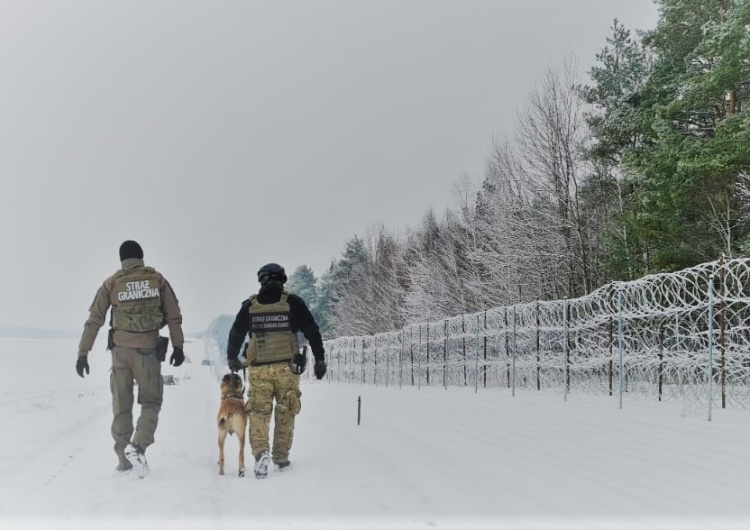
<point x="675" y="336"/>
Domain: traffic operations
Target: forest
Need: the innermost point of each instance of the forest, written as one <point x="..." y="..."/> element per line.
<point x="640" y="166"/>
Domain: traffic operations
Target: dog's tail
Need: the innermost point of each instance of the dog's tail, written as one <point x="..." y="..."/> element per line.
<point x="223" y="421"/>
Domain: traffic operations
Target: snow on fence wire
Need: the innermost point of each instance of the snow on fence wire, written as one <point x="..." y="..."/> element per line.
<point x="658" y="337"/>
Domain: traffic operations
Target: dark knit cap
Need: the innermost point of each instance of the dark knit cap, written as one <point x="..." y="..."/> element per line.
<point x="130" y="249"/>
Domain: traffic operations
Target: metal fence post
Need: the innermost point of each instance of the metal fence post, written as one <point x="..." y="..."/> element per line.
<point x="401" y="361"/>
<point x="620" y="338"/>
<point x="538" y="352"/>
<point x="484" y="368"/>
<point x="566" y="382"/>
<point x="513" y="343"/>
<point x="476" y="357"/>
<point x="362" y="370"/>
<point x="445" y="354"/>
<point x="709" y="372"/>
<point x="419" y="359"/>
<point x="722" y="330"/>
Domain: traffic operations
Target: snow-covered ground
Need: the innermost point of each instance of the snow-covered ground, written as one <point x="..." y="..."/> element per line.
<point x="421" y="458"/>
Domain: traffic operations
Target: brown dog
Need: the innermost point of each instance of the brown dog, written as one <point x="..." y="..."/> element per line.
<point x="232" y="417"/>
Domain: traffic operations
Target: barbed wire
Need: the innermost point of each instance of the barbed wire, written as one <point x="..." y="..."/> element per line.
<point x="658" y="337"/>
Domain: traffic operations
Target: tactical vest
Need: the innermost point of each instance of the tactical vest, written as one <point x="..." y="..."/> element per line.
<point x="272" y="340"/>
<point x="137" y="301"/>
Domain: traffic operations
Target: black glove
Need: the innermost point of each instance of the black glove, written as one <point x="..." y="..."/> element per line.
<point x="299" y="363"/>
<point x="82" y="364"/>
<point x="177" y="357"/>
<point x="320" y="369"/>
<point x="235" y="364"/>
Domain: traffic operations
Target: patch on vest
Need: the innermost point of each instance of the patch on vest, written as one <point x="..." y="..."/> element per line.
<point x="138" y="290"/>
<point x="266" y="322"/>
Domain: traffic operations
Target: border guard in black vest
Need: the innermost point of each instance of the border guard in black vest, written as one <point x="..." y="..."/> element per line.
<point x="272" y="318"/>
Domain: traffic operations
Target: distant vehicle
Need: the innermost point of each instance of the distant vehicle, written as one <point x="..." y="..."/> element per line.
<point x="207" y="362"/>
<point x="169" y="379"/>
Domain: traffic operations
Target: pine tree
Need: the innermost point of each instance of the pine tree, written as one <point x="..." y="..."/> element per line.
<point x="695" y="147"/>
<point x="325" y="301"/>
<point x="346" y="279"/>
<point x="623" y="67"/>
<point x="676" y="136"/>
<point x="302" y="282"/>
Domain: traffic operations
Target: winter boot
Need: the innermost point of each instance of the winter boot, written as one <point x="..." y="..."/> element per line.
<point x="283" y="466"/>
<point x="123" y="465"/>
<point x="261" y="465"/>
<point x="135" y="454"/>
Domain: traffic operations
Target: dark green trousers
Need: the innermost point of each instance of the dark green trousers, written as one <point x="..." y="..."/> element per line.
<point x="129" y="367"/>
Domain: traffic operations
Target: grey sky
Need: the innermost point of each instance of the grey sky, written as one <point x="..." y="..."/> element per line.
<point x="222" y="135"/>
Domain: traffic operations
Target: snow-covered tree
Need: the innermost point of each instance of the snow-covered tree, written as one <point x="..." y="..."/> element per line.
<point x="302" y="282"/>
<point x="218" y="330"/>
<point x="369" y="295"/>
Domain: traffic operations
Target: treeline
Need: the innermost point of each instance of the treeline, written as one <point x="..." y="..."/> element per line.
<point x="643" y="169"/>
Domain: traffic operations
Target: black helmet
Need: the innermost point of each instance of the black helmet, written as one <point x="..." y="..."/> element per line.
<point x="271" y="271"/>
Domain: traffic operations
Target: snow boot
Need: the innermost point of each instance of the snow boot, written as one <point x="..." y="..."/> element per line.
<point x="136" y="456"/>
<point x="123" y="465"/>
<point x="261" y="465"/>
<point x="283" y="466"/>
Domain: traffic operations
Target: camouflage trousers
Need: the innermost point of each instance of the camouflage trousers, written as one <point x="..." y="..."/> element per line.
<point x="130" y="365"/>
<point x="271" y="382"/>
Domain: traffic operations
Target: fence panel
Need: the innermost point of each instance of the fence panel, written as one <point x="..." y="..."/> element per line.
<point x="678" y="336"/>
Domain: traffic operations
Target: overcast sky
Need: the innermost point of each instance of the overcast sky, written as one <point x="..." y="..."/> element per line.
<point x="223" y="135"/>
